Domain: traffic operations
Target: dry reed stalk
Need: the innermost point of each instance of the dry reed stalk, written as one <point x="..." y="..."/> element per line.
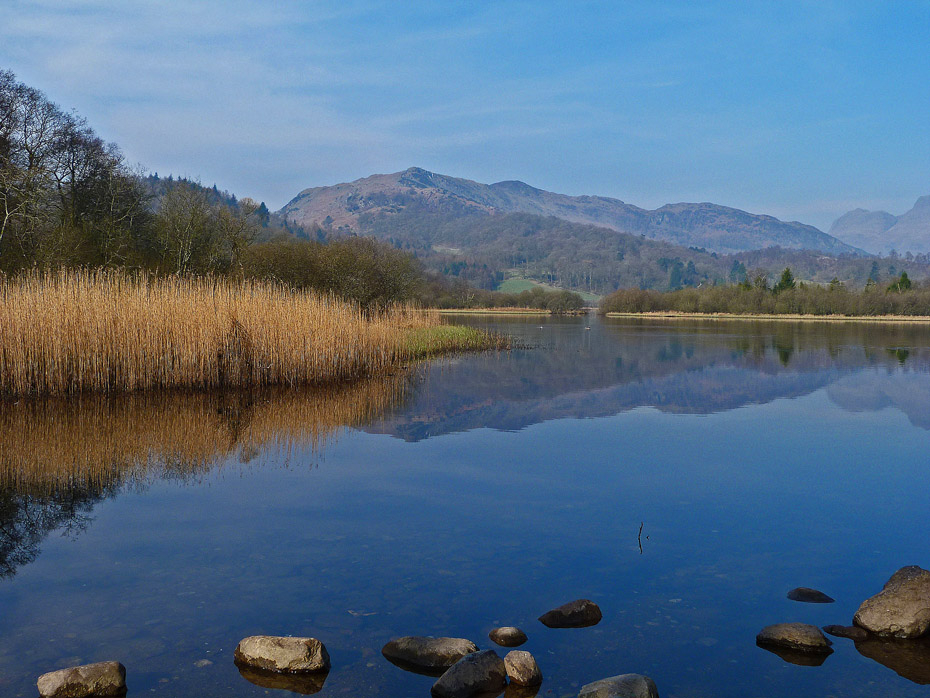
<point x="72" y="331"/>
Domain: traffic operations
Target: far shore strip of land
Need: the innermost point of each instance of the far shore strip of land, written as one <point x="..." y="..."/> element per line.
<point x="794" y="317"/>
<point x="494" y="311"/>
<point x="510" y="311"/>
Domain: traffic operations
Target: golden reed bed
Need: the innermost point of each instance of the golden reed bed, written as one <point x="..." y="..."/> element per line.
<point x="68" y="332"/>
<point x="96" y="440"/>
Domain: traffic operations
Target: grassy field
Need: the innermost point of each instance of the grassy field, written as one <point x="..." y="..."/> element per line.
<point x="518" y="284"/>
<point x="424" y="342"/>
<point x="69" y="332"/>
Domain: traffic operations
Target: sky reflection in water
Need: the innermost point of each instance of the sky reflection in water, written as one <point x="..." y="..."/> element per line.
<point x="485" y="490"/>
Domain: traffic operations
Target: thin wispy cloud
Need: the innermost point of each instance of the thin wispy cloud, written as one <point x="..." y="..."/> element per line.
<point x="777" y="107"/>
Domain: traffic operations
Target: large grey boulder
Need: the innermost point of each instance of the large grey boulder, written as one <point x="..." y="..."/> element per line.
<point x="575" y="614"/>
<point x="287" y="655"/>
<point x="87" y="681"/>
<point x="902" y="608"/>
<point x="475" y="674"/>
<point x="522" y="668"/>
<point x="508" y="636"/>
<point x="800" y="637"/>
<point x="430" y="653"/>
<point x="623" y="686"/>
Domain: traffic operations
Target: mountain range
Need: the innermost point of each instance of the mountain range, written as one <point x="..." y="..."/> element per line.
<point x="879" y="232"/>
<point x="716" y="228"/>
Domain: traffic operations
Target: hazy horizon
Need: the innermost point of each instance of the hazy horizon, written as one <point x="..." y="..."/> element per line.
<point x="796" y="110"/>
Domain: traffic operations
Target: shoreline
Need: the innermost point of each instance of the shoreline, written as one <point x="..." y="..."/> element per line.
<point x="492" y="311"/>
<point x="675" y="315"/>
<point x="509" y="311"/>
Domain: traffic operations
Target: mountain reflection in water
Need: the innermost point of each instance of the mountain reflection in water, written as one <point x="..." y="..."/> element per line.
<point x="675" y="366"/>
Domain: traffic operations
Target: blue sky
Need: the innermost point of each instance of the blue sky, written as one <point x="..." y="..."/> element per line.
<point x="799" y="109"/>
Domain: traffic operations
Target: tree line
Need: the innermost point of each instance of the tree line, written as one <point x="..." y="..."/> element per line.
<point x="481" y="248"/>
<point x="69" y="199"/>
<point x="755" y="295"/>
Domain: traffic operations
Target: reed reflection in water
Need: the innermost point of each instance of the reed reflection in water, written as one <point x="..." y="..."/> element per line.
<point x="59" y="458"/>
<point x="100" y="442"/>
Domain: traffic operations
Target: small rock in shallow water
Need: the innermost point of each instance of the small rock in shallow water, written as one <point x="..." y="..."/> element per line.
<point x="522" y="668"/>
<point x="902" y="608"/>
<point x="102" y="679"/>
<point x="508" y="636"/>
<point x="429" y="653"/>
<point x="473" y="675"/>
<point x="291" y="655"/>
<point x="848" y="631"/>
<point x="623" y="686"/>
<point x="576" y="614"/>
<point x="808" y="595"/>
<point x="794" y="636"/>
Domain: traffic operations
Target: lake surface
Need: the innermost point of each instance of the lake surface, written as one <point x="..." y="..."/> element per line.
<point x="481" y="491"/>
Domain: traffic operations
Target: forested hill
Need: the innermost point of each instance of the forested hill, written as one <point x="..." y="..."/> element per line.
<point x="717" y="228"/>
<point x="484" y="249"/>
<point x="69" y="199"/>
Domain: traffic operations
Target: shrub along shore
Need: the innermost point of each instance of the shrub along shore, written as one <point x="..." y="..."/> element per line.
<point x="73" y="331"/>
<point x="673" y="315"/>
<point x="787" y="298"/>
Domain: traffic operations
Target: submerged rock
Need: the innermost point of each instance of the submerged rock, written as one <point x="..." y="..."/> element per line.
<point x="850" y="632"/>
<point x="808" y="595"/>
<point x="522" y="668"/>
<point x="86" y="681"/>
<point x="433" y="654"/>
<point x="576" y="614"/>
<point x="902" y="608"/>
<point x="797" y="657"/>
<point x="794" y="636"/>
<point x="515" y="690"/>
<point x="907" y="658"/>
<point x="473" y="675"/>
<point x="623" y="686"/>
<point x="508" y="636"/>
<point x="304" y="684"/>
<point x="290" y="655"/>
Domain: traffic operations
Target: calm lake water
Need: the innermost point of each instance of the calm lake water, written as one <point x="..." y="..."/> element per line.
<point x="479" y="491"/>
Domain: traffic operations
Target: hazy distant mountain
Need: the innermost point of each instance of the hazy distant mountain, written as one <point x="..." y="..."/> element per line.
<point x="710" y="226"/>
<point x="879" y="232"/>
